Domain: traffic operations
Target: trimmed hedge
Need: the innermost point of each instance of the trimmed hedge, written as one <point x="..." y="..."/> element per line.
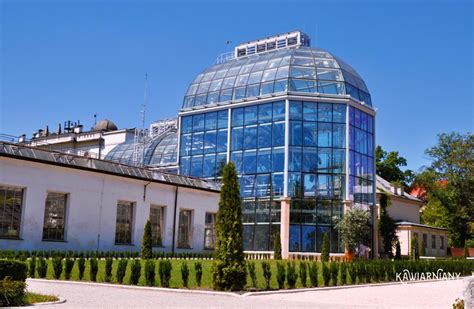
<point x="16" y="270"/>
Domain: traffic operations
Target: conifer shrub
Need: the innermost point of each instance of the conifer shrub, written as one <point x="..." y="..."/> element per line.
<point x="108" y="269"/>
<point x="281" y="275"/>
<point x="150" y="272"/>
<point x="198" y="272"/>
<point x="343" y="270"/>
<point x="12" y="292"/>
<point x="398" y="251"/>
<point x="313" y="273"/>
<point x="147" y="250"/>
<point x="267" y="274"/>
<point x="185" y="274"/>
<point x="94" y="268"/>
<point x="252" y="274"/>
<point x="164" y="269"/>
<point x="57" y="267"/>
<point x="32" y="267"/>
<point x="135" y="272"/>
<point x="277" y="247"/>
<point x="228" y="268"/>
<point x="291" y="275"/>
<point x="325" y="248"/>
<point x="42" y="268"/>
<point x="326" y="273"/>
<point x="303" y="273"/>
<point x="334" y="272"/>
<point x="81" y="265"/>
<point x="121" y="270"/>
<point x="68" y="265"/>
<point x="352" y="272"/>
<point x="414" y="248"/>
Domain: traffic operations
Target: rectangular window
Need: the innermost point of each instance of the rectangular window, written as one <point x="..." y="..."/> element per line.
<point x="425" y="241"/>
<point x="124" y="223"/>
<point x="185" y="229"/>
<point x="441" y="242"/>
<point x="11" y="204"/>
<point x="433" y="241"/>
<point x="210" y="231"/>
<point x="156" y="220"/>
<point x="54" y="216"/>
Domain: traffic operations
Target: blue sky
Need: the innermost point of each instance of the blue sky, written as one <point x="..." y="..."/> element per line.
<point x="68" y="60"/>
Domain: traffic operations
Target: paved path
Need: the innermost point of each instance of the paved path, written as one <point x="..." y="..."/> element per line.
<point x="439" y="294"/>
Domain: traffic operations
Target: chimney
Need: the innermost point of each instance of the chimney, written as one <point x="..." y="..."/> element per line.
<point x="78" y="129"/>
<point x="22" y="138"/>
<point x="40" y="132"/>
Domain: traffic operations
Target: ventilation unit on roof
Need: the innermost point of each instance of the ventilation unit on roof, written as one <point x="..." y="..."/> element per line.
<point x="289" y="39"/>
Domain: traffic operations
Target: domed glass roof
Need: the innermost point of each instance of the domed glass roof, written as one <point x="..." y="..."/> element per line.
<point x="160" y="151"/>
<point x="292" y="70"/>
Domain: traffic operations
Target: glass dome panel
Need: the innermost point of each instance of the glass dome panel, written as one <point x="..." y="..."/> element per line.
<point x="297" y="69"/>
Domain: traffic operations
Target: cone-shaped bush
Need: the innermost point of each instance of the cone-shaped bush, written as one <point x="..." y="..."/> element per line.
<point x="281" y="275"/>
<point x="198" y="272"/>
<point x="147" y="252"/>
<point x="32" y="267"/>
<point x="108" y="269"/>
<point x="93" y="269"/>
<point x="185" y="274"/>
<point x="57" y="267"/>
<point x="313" y="273"/>
<point x="228" y="269"/>
<point x="81" y="264"/>
<point x="414" y="248"/>
<point x="68" y="265"/>
<point x="135" y="272"/>
<point x="277" y="247"/>
<point x="267" y="274"/>
<point x="325" y="248"/>
<point x="303" y="273"/>
<point x="150" y="272"/>
<point x="252" y="273"/>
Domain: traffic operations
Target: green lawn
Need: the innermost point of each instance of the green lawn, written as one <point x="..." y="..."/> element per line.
<point x="176" y="281"/>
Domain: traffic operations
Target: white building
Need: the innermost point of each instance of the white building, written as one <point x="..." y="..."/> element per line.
<point x="56" y="201"/>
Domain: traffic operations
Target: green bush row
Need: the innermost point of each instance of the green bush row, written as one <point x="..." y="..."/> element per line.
<point x="25" y="254"/>
<point x="16" y="270"/>
<point x="12" y="283"/>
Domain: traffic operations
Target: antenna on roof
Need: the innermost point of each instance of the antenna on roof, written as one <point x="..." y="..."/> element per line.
<point x="143" y="110"/>
<point x="95" y="118"/>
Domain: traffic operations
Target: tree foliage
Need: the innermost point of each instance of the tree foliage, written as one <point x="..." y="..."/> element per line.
<point x="325" y="248"/>
<point x="228" y="269"/>
<point x="414" y="248"/>
<point x="387" y="226"/>
<point x="277" y="247"/>
<point x="448" y="186"/>
<point x="389" y="167"/>
<point x="354" y="228"/>
<point x="147" y="252"/>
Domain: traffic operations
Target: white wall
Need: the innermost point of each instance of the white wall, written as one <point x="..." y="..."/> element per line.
<point x="403" y="210"/>
<point x="92" y="206"/>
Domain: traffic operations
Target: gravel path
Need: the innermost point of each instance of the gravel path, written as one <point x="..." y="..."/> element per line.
<point x="439" y="294"/>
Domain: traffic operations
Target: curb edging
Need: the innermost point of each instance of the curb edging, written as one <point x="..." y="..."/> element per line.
<point x="61" y="300"/>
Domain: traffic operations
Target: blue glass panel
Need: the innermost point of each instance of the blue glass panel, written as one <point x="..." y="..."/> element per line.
<point x="278" y="111"/>
<point x="294" y="158"/>
<point x="189" y="101"/>
<point x="226" y="95"/>
<point x="308" y="211"/>
<point x="197" y="144"/>
<point x="308" y="235"/>
<point x="365" y="97"/>
<point x="370" y="123"/>
<point x="294" y="184"/>
<point x="196" y="166"/>
<point x="279" y="134"/>
<point x="237" y="117"/>
<point x="185" y="166"/>
<point x="236" y="157"/>
<point x="248" y="235"/>
<point x="351" y="137"/>
<point x="198" y="123"/>
<point x="338" y="135"/>
<point x="278" y="185"/>
<point x="296" y="110"/>
<point x="200" y="100"/>
<point x="239" y="93"/>
<point x="248" y="210"/>
<point x="352" y="91"/>
<point x="221" y="161"/>
<point x="250" y="137"/>
<point x="303" y="85"/>
<point x="339" y="112"/>
<point x="264" y="135"/>
<point x="310" y="134"/>
<point x="221" y="140"/>
<point x="281" y="85"/>
<point x="266" y="88"/>
<point x="211" y="121"/>
<point x="323" y="210"/>
<point x="357" y="118"/>
<point x="247" y="186"/>
<point x="210" y="142"/>
<point x="331" y="87"/>
<point x="264" y="161"/>
<point x="339" y="186"/>
<point x="295" y="211"/>
<point x="310" y="111"/>
<point x="324" y="160"/>
<point x="295" y="244"/>
<point x="186" y="124"/>
<point x="251" y="113"/>
<point x="185" y="146"/>
<point x="309" y="185"/>
<point x="324" y="134"/>
<point x="278" y="160"/>
<point x="321" y="230"/>
<point x="338" y="162"/>
<point x="310" y="160"/>
<point x="263" y="238"/>
<point x="370" y="144"/>
<point x="250" y="162"/>
<point x="213" y="97"/>
<point x="265" y="112"/>
<point x="237" y="138"/>
<point x="363" y="121"/>
<point x="262" y="188"/>
<point x="324" y="186"/>
<point x="222" y="119"/>
<point x="209" y="168"/>
<point x="296" y="133"/>
<point x="325" y="112"/>
<point x="253" y="91"/>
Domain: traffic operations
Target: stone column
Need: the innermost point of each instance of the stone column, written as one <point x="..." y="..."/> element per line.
<point x="285" y="227"/>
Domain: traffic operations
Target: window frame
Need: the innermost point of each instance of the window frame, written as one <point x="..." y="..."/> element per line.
<point x="162" y="210"/>
<point x="190" y="230"/>
<point x="5" y="188"/>
<point x="132" y="223"/>
<point x="64" y="217"/>
<point x="212" y="227"/>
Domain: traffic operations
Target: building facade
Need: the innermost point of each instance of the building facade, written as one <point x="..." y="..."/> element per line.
<point x="299" y="125"/>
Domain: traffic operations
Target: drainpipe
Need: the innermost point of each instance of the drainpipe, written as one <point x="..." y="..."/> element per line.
<point x="174" y="218"/>
<point x="144" y="189"/>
